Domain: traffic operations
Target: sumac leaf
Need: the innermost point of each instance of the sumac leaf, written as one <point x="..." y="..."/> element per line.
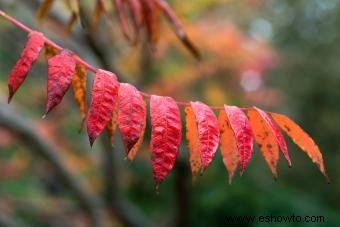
<point x="74" y="6"/>
<point x="166" y="133"/>
<point x="242" y="130"/>
<point x="122" y="17"/>
<point x="228" y="145"/>
<point x="104" y="97"/>
<point x="61" y="69"/>
<point x="265" y="139"/>
<point x="193" y="145"/>
<point x="50" y="51"/>
<point x="112" y="124"/>
<point x="98" y="11"/>
<point x="302" y="139"/>
<point x="27" y="57"/>
<point x="136" y="15"/>
<point x="131" y="118"/>
<point x="43" y="9"/>
<point x="151" y="15"/>
<point x="79" y="90"/>
<point x="279" y="137"/>
<point x="208" y="132"/>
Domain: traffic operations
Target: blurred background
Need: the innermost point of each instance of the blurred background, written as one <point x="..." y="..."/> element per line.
<point x="281" y="56"/>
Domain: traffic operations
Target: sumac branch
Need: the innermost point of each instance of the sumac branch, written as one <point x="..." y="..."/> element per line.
<point x="113" y="103"/>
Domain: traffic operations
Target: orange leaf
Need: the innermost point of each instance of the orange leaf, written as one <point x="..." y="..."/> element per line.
<point x="302" y="139"/>
<point x="279" y="137"/>
<point x="112" y="124"/>
<point x="79" y="90"/>
<point x="228" y="145"/>
<point x="265" y="139"/>
<point x="43" y="10"/>
<point x="50" y="51"/>
<point x="193" y="145"/>
<point x="99" y="9"/>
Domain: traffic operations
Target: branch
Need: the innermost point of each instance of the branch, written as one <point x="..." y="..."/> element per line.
<point x="37" y="143"/>
<point x="83" y="62"/>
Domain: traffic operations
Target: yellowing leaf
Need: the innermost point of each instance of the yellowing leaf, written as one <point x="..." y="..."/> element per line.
<point x="266" y="140"/>
<point x="302" y="139"/>
<point x="193" y="145"/>
<point x="228" y="144"/>
<point x="50" y="51"/>
<point x="79" y="90"/>
<point x="112" y="124"/>
<point x="43" y="10"/>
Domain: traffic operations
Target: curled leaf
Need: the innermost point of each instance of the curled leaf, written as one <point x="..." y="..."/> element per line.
<point x="43" y="10"/>
<point x="104" y="97"/>
<point x="208" y="132"/>
<point x="27" y="57"/>
<point x="279" y="137"/>
<point x="302" y="139"/>
<point x="61" y="69"/>
<point x="265" y="139"/>
<point x="131" y="118"/>
<point x="74" y="6"/>
<point x="50" y="51"/>
<point x="122" y="17"/>
<point x="151" y="15"/>
<point x="79" y="90"/>
<point x="193" y="145"/>
<point x="228" y="146"/>
<point x="166" y="133"/>
<point x="244" y="137"/>
<point x="98" y="11"/>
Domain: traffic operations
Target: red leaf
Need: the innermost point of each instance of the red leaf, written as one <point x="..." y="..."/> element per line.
<point x="61" y="69"/>
<point x="165" y="135"/>
<point x="208" y="132"/>
<point x="28" y="56"/>
<point x="104" y="97"/>
<point x="131" y="118"/>
<point x="279" y="137"/>
<point x="244" y="137"/>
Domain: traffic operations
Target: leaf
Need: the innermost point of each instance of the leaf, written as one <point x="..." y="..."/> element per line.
<point x="265" y="139"/>
<point x="74" y="6"/>
<point x="131" y="118"/>
<point x="122" y="19"/>
<point x="177" y="27"/>
<point x="112" y="124"/>
<point x="244" y="137"/>
<point x="27" y="57"/>
<point x="104" y="97"/>
<point x="208" y="132"/>
<point x="151" y="15"/>
<point x="50" y="51"/>
<point x="166" y="133"/>
<point x="302" y="139"/>
<point x="193" y="145"/>
<point x="279" y="137"/>
<point x="99" y="9"/>
<point x="43" y="10"/>
<point x="61" y="69"/>
<point x="79" y="90"/>
<point x="136" y="15"/>
<point x="228" y="146"/>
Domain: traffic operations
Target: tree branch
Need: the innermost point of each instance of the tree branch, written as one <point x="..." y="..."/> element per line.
<point x="37" y="143"/>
